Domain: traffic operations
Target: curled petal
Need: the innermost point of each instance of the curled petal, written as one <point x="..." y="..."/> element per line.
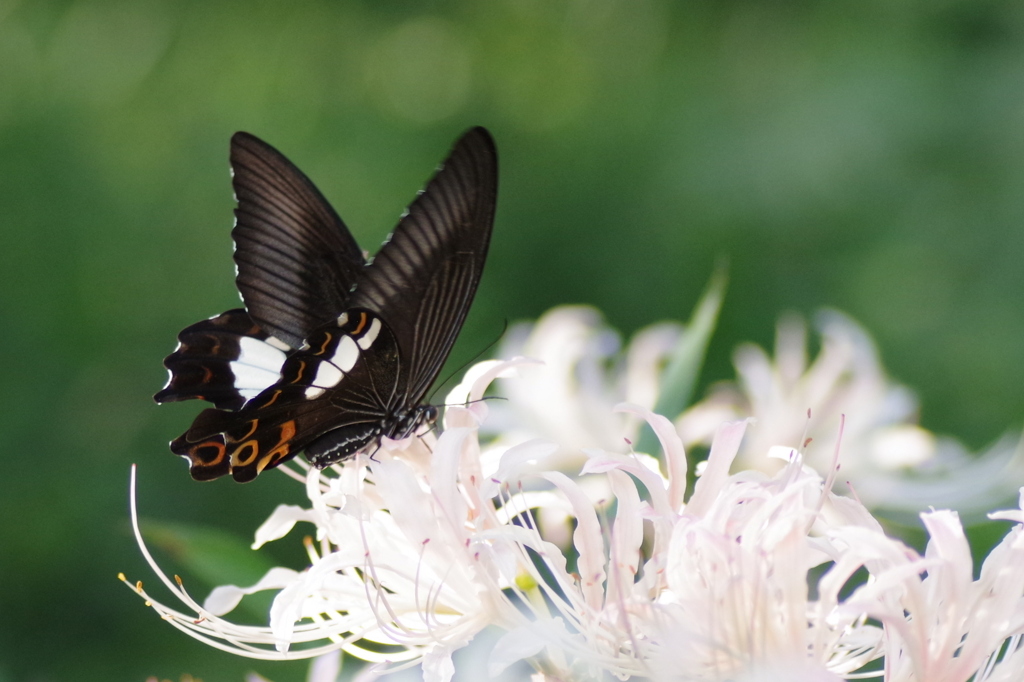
<point x="643" y="467"/>
<point x="586" y="538"/>
<point x="723" y="450"/>
<point x="438" y="665"/>
<point x="627" y="531"/>
<point x="444" y="473"/>
<point x="226" y="597"/>
<point x="471" y="389"/>
<point x="514" y="460"/>
<point x="671" y="445"/>
<point x="527" y="641"/>
<point x="522" y="642"/>
<point x="280" y="523"/>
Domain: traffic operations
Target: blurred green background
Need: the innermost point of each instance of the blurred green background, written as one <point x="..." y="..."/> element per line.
<point x="865" y="155"/>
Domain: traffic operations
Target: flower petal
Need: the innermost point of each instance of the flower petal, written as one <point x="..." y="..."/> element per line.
<point x="586" y="538"/>
<point x="671" y="446"/>
<point x="723" y="450"/>
<point x="438" y="665"/>
<point x="226" y="597"/>
<point x="627" y="532"/>
<point x="280" y="523"/>
<point x="514" y="460"/>
<point x="522" y="642"/>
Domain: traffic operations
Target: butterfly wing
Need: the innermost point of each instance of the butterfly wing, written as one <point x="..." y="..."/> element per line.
<point x="365" y="359"/>
<point x="355" y="360"/>
<point x="296" y="260"/>
<point x="423" y="280"/>
<point x="226" y="360"/>
<point x="296" y="265"/>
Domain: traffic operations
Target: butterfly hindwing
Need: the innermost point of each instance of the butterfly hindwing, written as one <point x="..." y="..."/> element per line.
<point x="243" y="444"/>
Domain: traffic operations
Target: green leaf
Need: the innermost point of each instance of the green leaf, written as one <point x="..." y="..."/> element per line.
<point x="679" y="379"/>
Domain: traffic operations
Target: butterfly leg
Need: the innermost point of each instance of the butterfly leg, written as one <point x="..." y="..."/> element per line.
<point x="373" y="455"/>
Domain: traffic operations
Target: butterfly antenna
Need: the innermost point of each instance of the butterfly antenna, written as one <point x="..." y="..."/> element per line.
<point x="462" y="368"/>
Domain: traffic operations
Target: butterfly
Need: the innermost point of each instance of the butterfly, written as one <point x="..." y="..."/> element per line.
<point x="332" y="352"/>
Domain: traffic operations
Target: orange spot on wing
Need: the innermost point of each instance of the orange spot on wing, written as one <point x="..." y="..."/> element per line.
<point x="281" y="450"/>
<point x="287" y="430"/>
<point x="263" y="463"/>
<point x="203" y="461"/>
<point x="359" y="327"/>
<point x="255" y="423"/>
<point x="323" y="348"/>
<point x="239" y="458"/>
<point x="273" y="398"/>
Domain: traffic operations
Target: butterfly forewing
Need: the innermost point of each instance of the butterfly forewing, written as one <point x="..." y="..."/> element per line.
<point x="296" y="259"/>
<point x="335" y="353"/>
<point x="226" y="360"/>
<point x="424" y="278"/>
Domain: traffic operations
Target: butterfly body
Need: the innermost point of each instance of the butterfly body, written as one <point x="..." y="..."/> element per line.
<point x="330" y="362"/>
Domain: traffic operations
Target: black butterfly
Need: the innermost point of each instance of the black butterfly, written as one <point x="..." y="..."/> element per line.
<point x="332" y="352"/>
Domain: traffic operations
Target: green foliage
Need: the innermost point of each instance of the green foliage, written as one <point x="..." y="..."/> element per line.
<point x="679" y="378"/>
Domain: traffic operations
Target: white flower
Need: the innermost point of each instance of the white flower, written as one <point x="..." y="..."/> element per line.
<point x="612" y="570"/>
<point x="845" y="378"/>
<point x="891" y="461"/>
<point x="419" y="550"/>
<point x="424" y="552"/>
<point x="724" y="593"/>
<point x="568" y="398"/>
<point x="940" y="624"/>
